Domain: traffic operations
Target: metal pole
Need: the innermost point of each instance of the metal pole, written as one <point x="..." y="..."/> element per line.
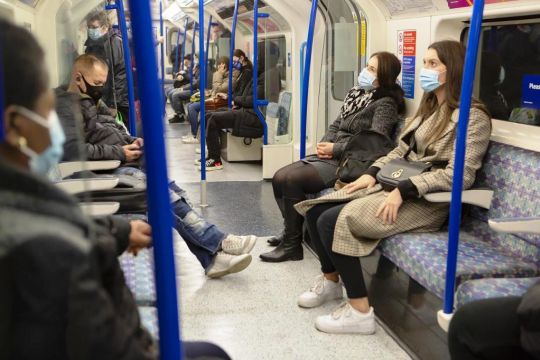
<point x="233" y="44"/>
<point x="208" y="40"/>
<point x="184" y="42"/>
<point x="121" y="15"/>
<point x="202" y="87"/>
<point x="256" y="101"/>
<point x="159" y="209"/>
<point x="302" y="63"/>
<point x="305" y="84"/>
<point x="192" y="59"/>
<point x="459" y="159"/>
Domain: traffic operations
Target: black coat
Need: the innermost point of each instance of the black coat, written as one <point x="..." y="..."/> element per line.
<point x="529" y="315"/>
<point x="64" y="295"/>
<point x="101" y="137"/>
<point x="110" y="48"/>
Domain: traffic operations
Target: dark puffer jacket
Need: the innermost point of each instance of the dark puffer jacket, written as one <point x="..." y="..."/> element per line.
<point x="529" y="315"/>
<point x="63" y="293"/>
<point x="109" y="48"/>
<point x="101" y="137"/>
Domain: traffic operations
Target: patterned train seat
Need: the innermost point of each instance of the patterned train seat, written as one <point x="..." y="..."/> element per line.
<point x="492" y="288"/>
<point x="139" y="274"/>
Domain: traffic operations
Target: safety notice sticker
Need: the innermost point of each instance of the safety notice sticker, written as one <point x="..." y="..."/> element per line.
<point x="407" y="55"/>
<point x="531" y="92"/>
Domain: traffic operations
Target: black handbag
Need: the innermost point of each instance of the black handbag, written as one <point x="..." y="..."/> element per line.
<point x="361" y="152"/>
<point x="401" y="169"/>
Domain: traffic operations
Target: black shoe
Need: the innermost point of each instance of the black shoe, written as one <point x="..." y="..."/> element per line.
<point x="177" y="119"/>
<point x="276" y="240"/>
<point x="284" y="253"/>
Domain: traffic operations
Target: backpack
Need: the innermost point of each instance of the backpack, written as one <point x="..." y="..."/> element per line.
<point x="362" y="150"/>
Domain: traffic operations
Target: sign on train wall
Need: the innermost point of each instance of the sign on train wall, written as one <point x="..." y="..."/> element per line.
<point x="531" y="92"/>
<point x="454" y="4"/>
<point x="406" y="49"/>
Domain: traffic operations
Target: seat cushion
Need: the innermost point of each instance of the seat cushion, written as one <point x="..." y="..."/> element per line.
<point x="423" y="257"/>
<point x="492" y="288"/>
<point x="139" y="274"/>
<point x="149" y="320"/>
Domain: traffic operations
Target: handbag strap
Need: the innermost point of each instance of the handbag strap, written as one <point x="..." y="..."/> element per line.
<point x="412" y="143"/>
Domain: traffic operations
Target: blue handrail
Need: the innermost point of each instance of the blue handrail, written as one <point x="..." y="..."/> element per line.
<point x="162" y="47"/>
<point x="256" y="101"/>
<point x="177" y="51"/>
<point x="302" y="63"/>
<point x="192" y="63"/>
<point x="459" y="159"/>
<point x="233" y="44"/>
<point x="2" y="96"/>
<point x="305" y="84"/>
<point x="208" y="40"/>
<point x="121" y="15"/>
<point x="159" y="210"/>
<point x="202" y="87"/>
<point x="184" y="42"/>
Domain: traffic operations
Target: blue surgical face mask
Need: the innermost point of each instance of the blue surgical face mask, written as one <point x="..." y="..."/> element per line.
<point x="237" y="65"/>
<point x="366" y="79"/>
<point x="50" y="157"/>
<point x="94" y="34"/>
<point x="429" y="79"/>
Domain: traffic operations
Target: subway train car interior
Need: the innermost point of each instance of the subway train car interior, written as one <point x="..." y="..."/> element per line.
<point x="269" y="179"/>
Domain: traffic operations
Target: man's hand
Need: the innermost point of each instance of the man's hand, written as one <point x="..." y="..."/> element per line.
<point x="139" y="142"/>
<point x="132" y="152"/>
<point x="222" y="96"/>
<point x="139" y="237"/>
<point x="325" y="150"/>
<point x="363" y="182"/>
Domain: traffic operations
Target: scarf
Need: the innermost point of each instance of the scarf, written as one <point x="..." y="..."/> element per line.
<point x="356" y="100"/>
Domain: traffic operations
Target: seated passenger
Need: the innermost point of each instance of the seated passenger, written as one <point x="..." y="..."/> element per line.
<point x="242" y="119"/>
<point x="499" y="328"/>
<point x="63" y="292"/>
<point x="220" y="90"/>
<point x="343" y="231"/>
<point x="374" y="104"/>
<point x="218" y="253"/>
<point x="182" y="88"/>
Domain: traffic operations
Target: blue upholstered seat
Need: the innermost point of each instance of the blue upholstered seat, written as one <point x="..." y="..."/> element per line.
<point x="139" y="274"/>
<point x="492" y="288"/>
<point x="149" y="320"/>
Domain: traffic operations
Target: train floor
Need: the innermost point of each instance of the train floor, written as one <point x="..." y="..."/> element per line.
<point x="253" y="314"/>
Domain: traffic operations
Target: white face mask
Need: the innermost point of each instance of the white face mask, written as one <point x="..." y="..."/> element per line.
<point x="42" y="163"/>
<point x="366" y="79"/>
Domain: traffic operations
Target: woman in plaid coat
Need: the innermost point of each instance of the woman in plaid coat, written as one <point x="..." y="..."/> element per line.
<point x="349" y="223"/>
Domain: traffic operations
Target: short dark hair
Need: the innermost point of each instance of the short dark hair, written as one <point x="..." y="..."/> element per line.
<point x="187" y="57"/>
<point x="23" y="66"/>
<point x="99" y="16"/>
<point x="88" y="61"/>
<point x="223" y="60"/>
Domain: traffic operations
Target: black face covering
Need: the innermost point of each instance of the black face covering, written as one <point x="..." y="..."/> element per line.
<point x="95" y="92"/>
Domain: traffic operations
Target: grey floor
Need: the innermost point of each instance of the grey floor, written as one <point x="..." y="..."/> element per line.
<point x="253" y="314"/>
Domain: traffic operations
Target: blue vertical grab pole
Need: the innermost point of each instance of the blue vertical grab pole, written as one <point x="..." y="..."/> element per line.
<point x="202" y="87"/>
<point x="302" y="63"/>
<point x="192" y="59"/>
<point x="459" y="159"/>
<point x="256" y="101"/>
<point x="233" y="44"/>
<point x="159" y="209"/>
<point x="184" y="42"/>
<point x="177" y="51"/>
<point x="305" y="82"/>
<point x="121" y="15"/>
<point x="208" y="40"/>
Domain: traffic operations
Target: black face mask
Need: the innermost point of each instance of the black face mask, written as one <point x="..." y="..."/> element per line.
<point x="95" y="92"/>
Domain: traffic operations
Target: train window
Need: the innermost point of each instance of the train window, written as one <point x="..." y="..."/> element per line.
<point x="509" y="63"/>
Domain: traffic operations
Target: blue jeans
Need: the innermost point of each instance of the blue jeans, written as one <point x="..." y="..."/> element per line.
<point x="193" y="115"/>
<point x="177" y="97"/>
<point x="202" y="238"/>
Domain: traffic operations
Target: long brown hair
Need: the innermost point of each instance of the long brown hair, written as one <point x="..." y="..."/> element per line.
<point x="388" y="69"/>
<point x="239" y="53"/>
<point x="452" y="55"/>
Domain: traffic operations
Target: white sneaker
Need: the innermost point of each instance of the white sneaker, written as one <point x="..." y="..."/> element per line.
<point x="186" y="137"/>
<point x="321" y="291"/>
<point x="347" y="320"/>
<point x="225" y="264"/>
<point x="190" y="140"/>
<point x="236" y="245"/>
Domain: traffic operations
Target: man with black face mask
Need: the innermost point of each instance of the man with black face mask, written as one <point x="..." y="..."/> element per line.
<point x="103" y="137"/>
<point x="106" y="44"/>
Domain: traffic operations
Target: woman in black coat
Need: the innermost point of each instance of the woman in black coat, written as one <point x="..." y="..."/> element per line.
<point x="374" y="104"/>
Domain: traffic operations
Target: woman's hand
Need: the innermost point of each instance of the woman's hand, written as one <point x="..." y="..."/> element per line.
<point x="363" y="182"/>
<point x="222" y="96"/>
<point x="139" y="237"/>
<point x="325" y="150"/>
<point x="389" y="208"/>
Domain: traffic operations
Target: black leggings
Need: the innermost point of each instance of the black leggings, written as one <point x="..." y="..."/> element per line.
<point x="321" y="221"/>
<point x="296" y="180"/>
<point x="486" y="329"/>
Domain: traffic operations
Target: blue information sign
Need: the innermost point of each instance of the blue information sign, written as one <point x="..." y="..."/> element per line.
<point x="531" y="92"/>
<point x="408" y="68"/>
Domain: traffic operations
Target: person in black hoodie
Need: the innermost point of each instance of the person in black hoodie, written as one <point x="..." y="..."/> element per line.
<point x="63" y="292"/>
<point x="106" y="44"/>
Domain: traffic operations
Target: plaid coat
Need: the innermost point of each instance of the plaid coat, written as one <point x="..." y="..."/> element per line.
<point x="358" y="231"/>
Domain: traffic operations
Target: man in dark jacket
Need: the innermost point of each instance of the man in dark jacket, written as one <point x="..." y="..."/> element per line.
<point x="178" y="96"/>
<point x="106" y="44"/>
<point x="102" y="136"/>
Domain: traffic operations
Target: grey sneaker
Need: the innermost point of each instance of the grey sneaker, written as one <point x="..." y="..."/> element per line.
<point x="225" y="264"/>
<point x="237" y="245"/>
